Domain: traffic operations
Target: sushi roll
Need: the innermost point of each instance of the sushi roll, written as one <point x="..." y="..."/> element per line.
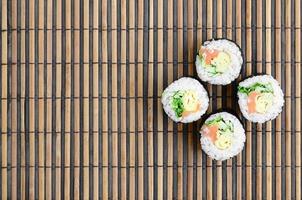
<point x="260" y="98"/>
<point x="222" y="136"/>
<point x="219" y="61"/>
<point x="185" y="100"/>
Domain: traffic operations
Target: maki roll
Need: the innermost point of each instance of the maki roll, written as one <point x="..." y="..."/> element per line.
<point x="222" y="136"/>
<point x="260" y="98"/>
<point x="219" y="61"/>
<point x="185" y="100"/>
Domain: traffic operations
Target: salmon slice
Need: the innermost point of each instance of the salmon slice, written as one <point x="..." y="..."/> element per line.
<point x="209" y="55"/>
<point x="210" y="132"/>
<point x="251" y="102"/>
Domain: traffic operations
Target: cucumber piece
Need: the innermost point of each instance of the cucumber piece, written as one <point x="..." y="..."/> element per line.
<point x="211" y="70"/>
<point x="221" y="68"/>
<point x="230" y="125"/>
<point x="225" y="132"/>
<point x="222" y="125"/>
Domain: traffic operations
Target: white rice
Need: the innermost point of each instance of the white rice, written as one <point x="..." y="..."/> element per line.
<point x="278" y="100"/>
<point x="185" y="83"/>
<point x="237" y="141"/>
<point x="236" y="62"/>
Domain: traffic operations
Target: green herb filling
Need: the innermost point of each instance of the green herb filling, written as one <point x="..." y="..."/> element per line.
<point x="259" y="87"/>
<point x="177" y="103"/>
<point x="224" y="126"/>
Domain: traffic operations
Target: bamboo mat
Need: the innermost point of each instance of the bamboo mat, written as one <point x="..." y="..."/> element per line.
<point x="80" y="86"/>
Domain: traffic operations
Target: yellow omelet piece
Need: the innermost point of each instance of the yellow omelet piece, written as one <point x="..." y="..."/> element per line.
<point x="223" y="141"/>
<point x="190" y="100"/>
<point x="222" y="61"/>
<point x="264" y="102"/>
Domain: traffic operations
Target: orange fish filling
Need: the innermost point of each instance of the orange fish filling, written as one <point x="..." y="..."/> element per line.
<point x="211" y="132"/>
<point x="208" y="55"/>
<point x="251" y="101"/>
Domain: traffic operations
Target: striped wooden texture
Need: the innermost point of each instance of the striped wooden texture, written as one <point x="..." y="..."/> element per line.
<point x="80" y="86"/>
